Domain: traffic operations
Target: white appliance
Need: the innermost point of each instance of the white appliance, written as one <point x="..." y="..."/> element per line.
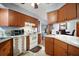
<point x="19" y="45"/>
<point x="32" y="32"/>
<point x="34" y="38"/>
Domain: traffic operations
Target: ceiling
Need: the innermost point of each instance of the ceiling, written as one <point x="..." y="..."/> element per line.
<point x="40" y="13"/>
<point x="43" y="8"/>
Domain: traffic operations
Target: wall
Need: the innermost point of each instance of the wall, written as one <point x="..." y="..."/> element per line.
<point x="43" y="27"/>
<point x="1" y="6"/>
<point x="55" y="28"/>
<point x="71" y="25"/>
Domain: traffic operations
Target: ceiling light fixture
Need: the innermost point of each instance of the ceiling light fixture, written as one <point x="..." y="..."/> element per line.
<point x="35" y="5"/>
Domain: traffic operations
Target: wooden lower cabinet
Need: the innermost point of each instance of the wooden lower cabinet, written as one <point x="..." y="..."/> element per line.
<point x="39" y="38"/>
<point x="73" y="51"/>
<point x="49" y="46"/>
<point x="27" y="43"/>
<point x="60" y="48"/>
<point x="6" y="48"/>
<point x="55" y="47"/>
<point x="77" y="29"/>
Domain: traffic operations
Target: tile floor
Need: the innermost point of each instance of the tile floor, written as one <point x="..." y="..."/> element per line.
<point x="39" y="53"/>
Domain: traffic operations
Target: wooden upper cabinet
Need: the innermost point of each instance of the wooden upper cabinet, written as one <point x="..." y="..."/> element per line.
<point x="15" y="18"/>
<point x="77" y="29"/>
<point x="39" y="38"/>
<point x="61" y="14"/>
<point x="78" y="10"/>
<point x="52" y="17"/>
<point x="3" y="17"/>
<point x="70" y="11"/>
<point x="67" y="12"/>
<point x="12" y="18"/>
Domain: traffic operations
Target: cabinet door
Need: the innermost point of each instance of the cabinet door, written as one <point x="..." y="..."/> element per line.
<point x="27" y="43"/>
<point x="67" y="12"/>
<point x="6" y="48"/>
<point x="52" y="17"/>
<point x="78" y="10"/>
<point x="61" y="15"/>
<point x="20" y="20"/>
<point x="12" y="18"/>
<point x="73" y="51"/>
<point x="49" y="46"/>
<point x="70" y="11"/>
<point x="3" y="17"/>
<point x="39" y="38"/>
<point x="77" y="29"/>
<point x="15" y="19"/>
<point x="60" y="48"/>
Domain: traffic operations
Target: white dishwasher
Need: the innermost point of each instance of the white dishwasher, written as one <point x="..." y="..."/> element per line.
<point x="19" y="45"/>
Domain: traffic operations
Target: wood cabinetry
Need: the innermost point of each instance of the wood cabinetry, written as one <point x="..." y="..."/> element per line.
<point x="3" y="17"/>
<point x="39" y="38"/>
<point x="6" y="48"/>
<point x="61" y="14"/>
<point x="16" y="19"/>
<point x="77" y="29"/>
<point x="56" y="47"/>
<point x="78" y="10"/>
<point x="52" y="17"/>
<point x="73" y="51"/>
<point x="67" y="12"/>
<point x="13" y="18"/>
<point x="60" y="48"/>
<point x="49" y="46"/>
<point x="70" y="11"/>
<point x="27" y="43"/>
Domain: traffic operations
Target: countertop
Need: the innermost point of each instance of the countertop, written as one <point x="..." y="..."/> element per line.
<point x="9" y="37"/>
<point x="72" y="40"/>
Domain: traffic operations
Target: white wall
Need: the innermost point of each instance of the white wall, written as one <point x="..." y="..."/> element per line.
<point x="71" y="25"/>
<point x="55" y="28"/>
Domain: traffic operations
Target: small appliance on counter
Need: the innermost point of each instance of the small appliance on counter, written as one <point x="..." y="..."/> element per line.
<point x="6" y="31"/>
<point x="17" y="32"/>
